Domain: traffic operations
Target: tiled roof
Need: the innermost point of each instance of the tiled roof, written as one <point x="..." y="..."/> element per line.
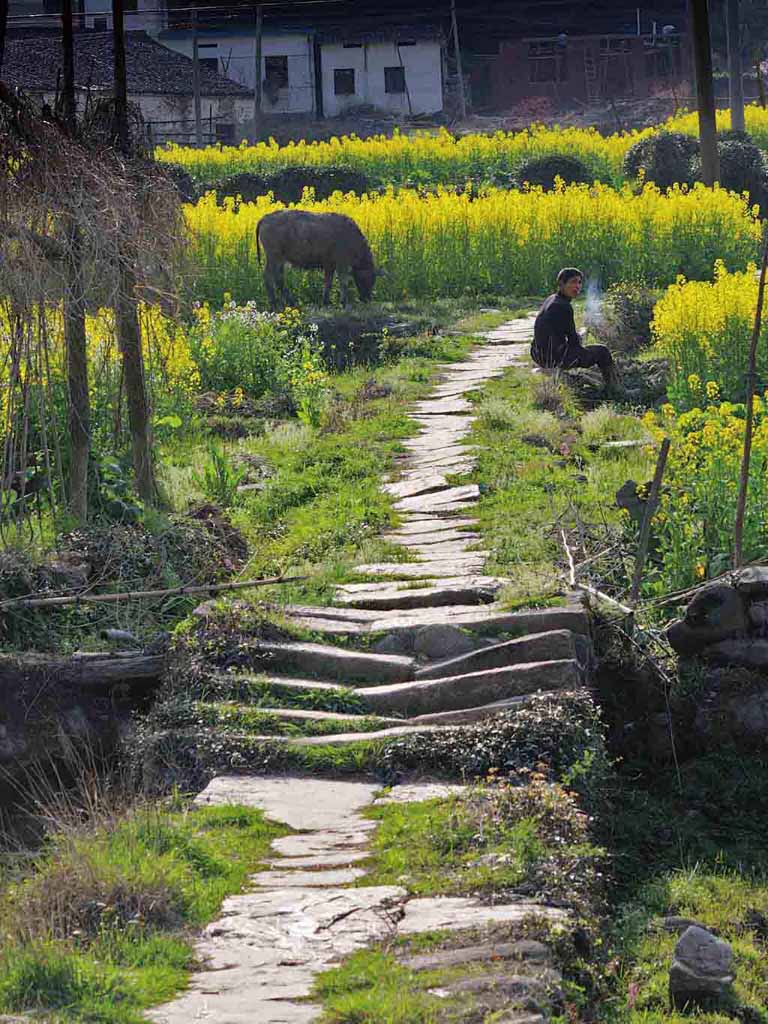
<point x="32" y="62"/>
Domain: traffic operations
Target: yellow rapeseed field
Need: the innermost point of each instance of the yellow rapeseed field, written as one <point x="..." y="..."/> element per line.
<point x="440" y="156"/>
<point x="704" y="329"/>
<point x="503" y="242"/>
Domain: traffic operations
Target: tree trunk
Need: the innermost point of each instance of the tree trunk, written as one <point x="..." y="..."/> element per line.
<point x="3" y="29"/>
<point x="734" y="66"/>
<point x="705" y="92"/>
<point x="79" y="413"/>
<point x="128" y="329"/>
<point x="129" y="338"/>
<point x="77" y="380"/>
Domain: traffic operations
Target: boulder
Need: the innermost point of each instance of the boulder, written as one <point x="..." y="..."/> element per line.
<point x="394" y="643"/>
<point x="752" y="654"/>
<point x="758" y="617"/>
<point x="716" y="613"/>
<point x="702" y="969"/>
<point x="753" y="582"/>
<point x="442" y="641"/>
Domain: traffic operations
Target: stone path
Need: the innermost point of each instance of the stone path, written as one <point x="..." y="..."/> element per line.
<point x="263" y="953"/>
<point x="444" y="658"/>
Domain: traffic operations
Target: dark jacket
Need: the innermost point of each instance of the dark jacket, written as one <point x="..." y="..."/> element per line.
<point x="554" y="331"/>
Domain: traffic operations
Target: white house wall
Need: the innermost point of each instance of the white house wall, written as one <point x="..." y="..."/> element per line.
<point x="149" y="16"/>
<point x="237" y="60"/>
<point x="423" y="77"/>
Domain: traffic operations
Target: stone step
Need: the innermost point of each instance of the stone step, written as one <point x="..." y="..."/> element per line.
<point x="448" y="406"/>
<point x="421" y="483"/>
<point x="466" y="716"/>
<point x="456" y="693"/>
<point x="424" y="541"/>
<point x="303" y="714"/>
<point x="412" y="527"/>
<point x="470" y="562"/>
<point x="554" y="645"/>
<point x="344" y="738"/>
<point x="338" y="663"/>
<point x="488" y="619"/>
<point x="447" y="498"/>
<point x="461" y="590"/>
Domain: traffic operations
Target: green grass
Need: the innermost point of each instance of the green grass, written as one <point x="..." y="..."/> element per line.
<point x="100" y="930"/>
<point x="538" y="473"/>
<point x="239" y="719"/>
<point x="491" y="839"/>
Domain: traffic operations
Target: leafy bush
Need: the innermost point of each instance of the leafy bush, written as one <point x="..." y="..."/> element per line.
<point x="743" y="167"/>
<point x="694" y="524"/>
<point x="543" y="170"/>
<point x="624" y="322"/>
<point x="287" y="185"/>
<point x="252" y="354"/>
<point x="220" y="479"/>
<point x="663" y="158"/>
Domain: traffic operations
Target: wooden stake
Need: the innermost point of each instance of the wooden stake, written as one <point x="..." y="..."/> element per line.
<point x="459" y="68"/>
<point x="734" y="65"/>
<point x="196" y="83"/>
<point x="741" y="506"/>
<point x="259" y="80"/>
<point x="645" y="529"/>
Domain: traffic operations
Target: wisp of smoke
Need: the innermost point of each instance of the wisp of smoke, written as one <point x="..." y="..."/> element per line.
<point x="593" y="307"/>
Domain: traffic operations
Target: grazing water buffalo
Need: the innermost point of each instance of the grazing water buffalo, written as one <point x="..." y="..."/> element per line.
<point x="314" y="241"/>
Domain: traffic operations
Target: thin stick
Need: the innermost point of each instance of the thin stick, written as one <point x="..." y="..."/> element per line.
<point x="738" y="532"/>
<point x="135" y="595"/>
<point x="569" y="556"/>
<point x="645" y="529"/>
<point x="605" y="597"/>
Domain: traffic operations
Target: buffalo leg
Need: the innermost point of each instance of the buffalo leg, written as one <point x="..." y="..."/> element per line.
<point x="327" y="285"/>
<point x="283" y="287"/>
<point x="344" y="281"/>
<point x="271" y="278"/>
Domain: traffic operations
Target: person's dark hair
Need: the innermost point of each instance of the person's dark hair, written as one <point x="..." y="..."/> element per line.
<point x="566" y="274"/>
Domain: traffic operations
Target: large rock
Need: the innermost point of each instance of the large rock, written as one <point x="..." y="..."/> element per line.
<point x="702" y="969"/>
<point x="716" y="613"/>
<point x="442" y="641"/>
<point x="752" y="654"/>
<point x="753" y="582"/>
<point x="719" y="608"/>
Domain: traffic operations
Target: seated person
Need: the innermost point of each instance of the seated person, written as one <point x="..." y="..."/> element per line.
<point x="555" y="340"/>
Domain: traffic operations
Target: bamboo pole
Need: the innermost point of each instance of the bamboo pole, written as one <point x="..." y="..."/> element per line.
<point x="645" y="529"/>
<point x="741" y="506"/>
<point x="135" y="595"/>
<point x="459" y="66"/>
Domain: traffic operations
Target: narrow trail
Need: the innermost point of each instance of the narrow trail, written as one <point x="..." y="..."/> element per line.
<point x="269" y="944"/>
<point x="302" y="915"/>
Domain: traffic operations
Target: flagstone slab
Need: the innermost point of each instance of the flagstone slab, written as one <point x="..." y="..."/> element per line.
<point x="439" y="499"/>
<point x="413" y="527"/>
<point x="463" y="564"/>
<point x="451" y="591"/>
<point x="420" y="483"/>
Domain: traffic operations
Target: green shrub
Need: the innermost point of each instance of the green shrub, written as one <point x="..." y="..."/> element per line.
<point x="743" y="167"/>
<point x="664" y="159"/>
<point x="288" y="184"/>
<point x="543" y="170"/>
<point x="624" y="323"/>
<point x="220" y="479"/>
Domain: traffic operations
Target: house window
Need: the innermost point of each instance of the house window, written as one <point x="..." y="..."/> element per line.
<point x="406" y="42"/>
<point x="208" y="59"/>
<point x="344" y="82"/>
<point x="394" y="79"/>
<point x="225" y="133"/>
<point x="276" y="72"/>
<point x="100" y="24"/>
<point x="352" y="46"/>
